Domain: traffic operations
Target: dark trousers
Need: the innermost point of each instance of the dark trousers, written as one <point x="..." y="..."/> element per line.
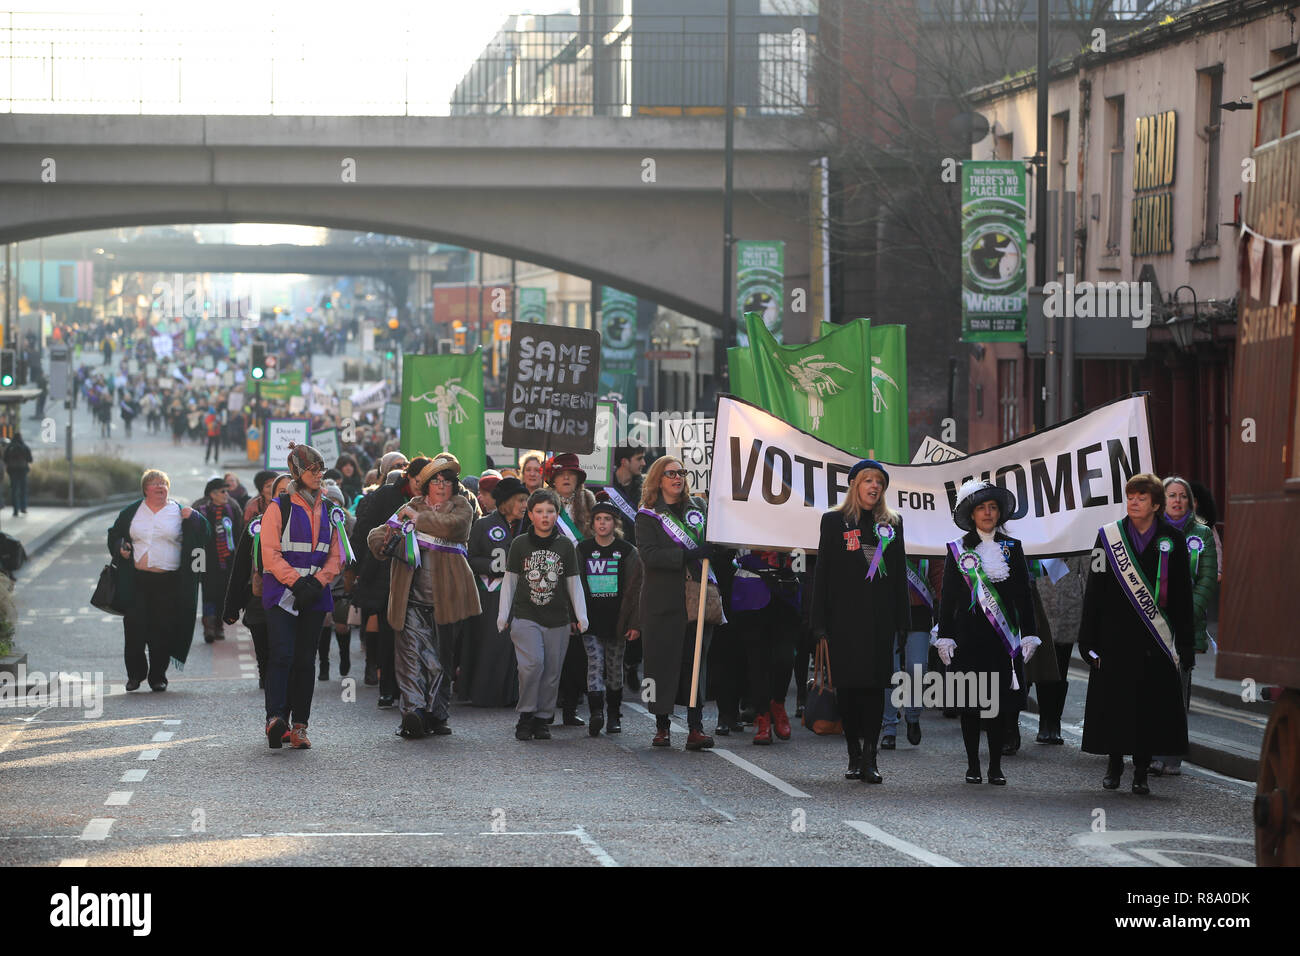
<point x="573" y="676"/>
<point x="726" y="669"/>
<point x="18" y="488"/>
<point x="149" y="623"/>
<point x="769" y="636"/>
<point x="291" y="679"/>
<point x="862" y="710"/>
<point x="213" y="449"/>
<point x="1051" y="694"/>
<point x="385" y="639"/>
<point x="258" y="630"/>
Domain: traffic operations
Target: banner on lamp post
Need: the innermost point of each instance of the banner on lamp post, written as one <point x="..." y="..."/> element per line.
<point x="994" y="274"/>
<point x="760" y="284"/>
<point x="618" y="328"/>
<point x="532" y="305"/>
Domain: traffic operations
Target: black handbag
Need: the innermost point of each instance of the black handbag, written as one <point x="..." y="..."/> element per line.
<point x="821" y="713"/>
<point x="106" y="591"/>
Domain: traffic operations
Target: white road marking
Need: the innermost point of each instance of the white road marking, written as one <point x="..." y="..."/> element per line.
<point x="162" y="736"/>
<point x="119" y="798"/>
<point x="97" y="829"/>
<point x="902" y="846"/>
<point x="70" y="620"/>
<point x="148" y="755"/>
<point x="594" y="848"/>
<point x="170" y="723"/>
<point x="760" y="773"/>
<point x="377" y="834"/>
<point x="73" y="861"/>
<point x="133" y="776"/>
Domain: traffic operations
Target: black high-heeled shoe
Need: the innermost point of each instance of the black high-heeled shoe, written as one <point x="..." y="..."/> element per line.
<point x="996" y="778"/>
<point x="855" y="769"/>
<point x="869" y="772"/>
<point x="1114" y="773"/>
<point x="973" y="775"/>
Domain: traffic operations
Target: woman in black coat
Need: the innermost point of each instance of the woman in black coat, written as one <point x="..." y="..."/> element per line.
<point x="1135" y="696"/>
<point x="988" y="663"/>
<point x="667" y="636"/>
<point x="860" y="607"/>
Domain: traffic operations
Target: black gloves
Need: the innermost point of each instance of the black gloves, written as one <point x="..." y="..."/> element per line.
<point x="306" y="592"/>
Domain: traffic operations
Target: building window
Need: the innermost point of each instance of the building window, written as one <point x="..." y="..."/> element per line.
<point x="1008" y="401"/>
<point x="1270" y="119"/>
<point x="1210" y="84"/>
<point x="1115" y="186"/>
<point x="1004" y="147"/>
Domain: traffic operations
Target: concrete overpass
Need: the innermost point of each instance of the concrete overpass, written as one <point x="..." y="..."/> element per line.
<point x="633" y="203"/>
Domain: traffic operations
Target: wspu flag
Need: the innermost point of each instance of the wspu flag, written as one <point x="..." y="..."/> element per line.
<point x="823" y="388"/>
<point x="889" y="392"/>
<point x="442" y="408"/>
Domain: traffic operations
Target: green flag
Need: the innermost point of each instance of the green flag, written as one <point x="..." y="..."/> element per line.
<point x="442" y="408"/>
<point x="740" y="369"/>
<point x="823" y="388"/>
<point x="889" y="392"/>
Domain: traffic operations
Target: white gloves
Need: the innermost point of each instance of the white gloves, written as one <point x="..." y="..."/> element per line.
<point x="1028" y="645"/>
<point x="946" y="647"/>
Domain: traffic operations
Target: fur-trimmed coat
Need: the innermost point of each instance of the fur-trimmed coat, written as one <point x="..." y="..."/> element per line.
<point x="455" y="595"/>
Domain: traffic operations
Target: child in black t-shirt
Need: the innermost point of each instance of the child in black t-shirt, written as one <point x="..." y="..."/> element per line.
<point x="611" y="582"/>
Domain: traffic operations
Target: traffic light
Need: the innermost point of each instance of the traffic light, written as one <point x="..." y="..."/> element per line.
<point x="8" y="365"/>
<point x="257" y="361"/>
<point x="271" y="363"/>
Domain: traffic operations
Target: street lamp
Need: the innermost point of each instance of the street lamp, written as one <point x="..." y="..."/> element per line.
<point x="1181" y="327"/>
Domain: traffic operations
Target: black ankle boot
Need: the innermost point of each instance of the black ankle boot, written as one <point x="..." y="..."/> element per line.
<point x="869" y="772"/>
<point x="324" y="670"/>
<point x="345" y="657"/>
<point x="613" y="701"/>
<point x="1114" y="772"/>
<point x="596" y="703"/>
<point x="995" y="775"/>
<point x="1140" y="770"/>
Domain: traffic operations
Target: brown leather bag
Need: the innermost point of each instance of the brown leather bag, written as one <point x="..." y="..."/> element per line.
<point x="712" y="601"/>
<point x="821" y="713"/>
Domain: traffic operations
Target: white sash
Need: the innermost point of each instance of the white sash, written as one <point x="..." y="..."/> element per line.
<point x="565" y="524"/>
<point x="1124" y="563"/>
<point x="620" y="502"/>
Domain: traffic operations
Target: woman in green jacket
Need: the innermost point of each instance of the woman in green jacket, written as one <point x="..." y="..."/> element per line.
<point x="1203" y="556"/>
<point x="158" y="547"/>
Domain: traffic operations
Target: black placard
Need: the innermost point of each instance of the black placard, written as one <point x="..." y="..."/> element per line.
<point x="551" y="388"/>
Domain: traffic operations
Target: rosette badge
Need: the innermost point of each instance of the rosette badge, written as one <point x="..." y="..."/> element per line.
<point x="969" y="562"/>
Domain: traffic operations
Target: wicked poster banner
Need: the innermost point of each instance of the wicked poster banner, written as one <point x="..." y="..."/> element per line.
<point x="994" y="277"/>
<point x="771" y="482"/>
<point x="552" y="388"/>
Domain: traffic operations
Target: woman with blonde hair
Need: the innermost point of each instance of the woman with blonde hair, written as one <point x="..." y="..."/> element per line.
<point x="530" y="470"/>
<point x="861" y="607"/>
<point x="670" y="534"/>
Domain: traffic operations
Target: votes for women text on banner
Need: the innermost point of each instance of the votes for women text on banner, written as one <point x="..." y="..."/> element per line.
<point x="760" y="284"/>
<point x="442" y="407"/>
<point x="552" y="387"/>
<point x="771" y="482"/>
<point x="994" y="276"/>
<point x="823" y="388"/>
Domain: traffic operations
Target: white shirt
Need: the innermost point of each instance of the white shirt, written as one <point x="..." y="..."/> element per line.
<point x="157" y="536"/>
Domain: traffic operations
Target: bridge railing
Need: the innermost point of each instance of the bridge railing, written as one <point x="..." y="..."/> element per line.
<point x="645" y="66"/>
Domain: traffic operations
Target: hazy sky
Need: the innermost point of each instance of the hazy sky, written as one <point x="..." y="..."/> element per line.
<point x="331" y="56"/>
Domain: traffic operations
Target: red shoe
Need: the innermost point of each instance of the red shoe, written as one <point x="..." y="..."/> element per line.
<point x="780" y="720"/>
<point x="762" y="729"/>
<point x="298" y="737"/>
<point x="698" y="740"/>
<point x="661" y="739"/>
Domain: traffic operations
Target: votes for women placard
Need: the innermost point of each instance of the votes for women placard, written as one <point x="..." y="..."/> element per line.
<point x="771" y="482"/>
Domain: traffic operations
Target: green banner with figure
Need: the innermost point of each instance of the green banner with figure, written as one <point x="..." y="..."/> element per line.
<point x="823" y="388"/>
<point x="442" y="408"/>
<point x="760" y="284"/>
<point x="994" y="277"/>
<point x="889" y="392"/>
<point x="532" y="305"/>
<point x="618" y="346"/>
<point x="284" y="387"/>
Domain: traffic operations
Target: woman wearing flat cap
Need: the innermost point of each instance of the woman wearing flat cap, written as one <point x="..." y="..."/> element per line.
<point x="861" y="608"/>
<point x="431" y="588"/>
<point x="986" y="626"/>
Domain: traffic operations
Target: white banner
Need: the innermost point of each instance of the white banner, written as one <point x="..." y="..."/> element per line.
<point x="690" y="441"/>
<point x="933" y="451"/>
<point x="281" y="431"/>
<point x="771" y="482"/>
<point x="326" y="441"/>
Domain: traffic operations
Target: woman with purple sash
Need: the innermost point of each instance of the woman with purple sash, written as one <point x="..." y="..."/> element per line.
<point x="986" y="628"/>
<point x="1137" y="637"/>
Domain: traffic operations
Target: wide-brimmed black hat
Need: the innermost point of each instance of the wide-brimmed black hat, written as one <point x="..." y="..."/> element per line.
<point x="507" y="488"/>
<point x="216" y="484"/>
<point x="974" y="493"/>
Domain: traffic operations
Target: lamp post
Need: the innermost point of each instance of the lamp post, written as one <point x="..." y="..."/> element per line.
<point x="1180" y="326"/>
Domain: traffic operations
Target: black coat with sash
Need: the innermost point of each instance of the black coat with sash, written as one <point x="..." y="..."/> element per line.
<point x="980" y="648"/>
<point x="663" y="609"/>
<point x="1135" y="696"/>
<point x="860" y="619"/>
<point x="489" y="676"/>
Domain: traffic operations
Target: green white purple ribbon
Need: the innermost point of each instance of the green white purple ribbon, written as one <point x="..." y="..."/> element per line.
<point x="338" y="520"/>
<point x="884" y="535"/>
<point x="228" y="528"/>
<point x="1195" y="545"/>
